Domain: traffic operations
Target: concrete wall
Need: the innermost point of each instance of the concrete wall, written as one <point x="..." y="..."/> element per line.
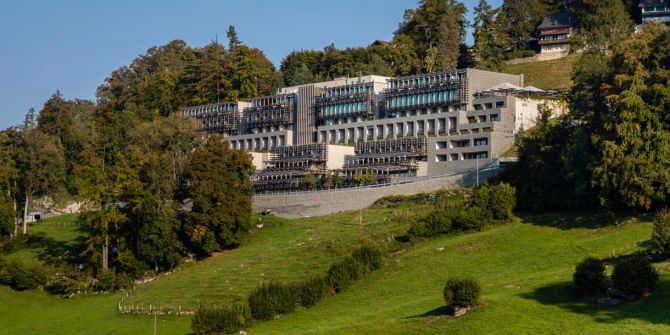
<point x="336" y="154"/>
<point x="318" y="203"/>
<point x="258" y="159"/>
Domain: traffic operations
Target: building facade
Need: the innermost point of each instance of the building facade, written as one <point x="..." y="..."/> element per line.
<point x="655" y="10"/>
<point x="554" y="32"/>
<point x="385" y="128"/>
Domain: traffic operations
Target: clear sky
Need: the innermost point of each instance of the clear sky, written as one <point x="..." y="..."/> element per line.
<point x="73" y="45"/>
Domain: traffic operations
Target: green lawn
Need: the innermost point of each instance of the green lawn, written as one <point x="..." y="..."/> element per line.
<point x="525" y="269"/>
<point x="282" y="250"/>
<point x="553" y="74"/>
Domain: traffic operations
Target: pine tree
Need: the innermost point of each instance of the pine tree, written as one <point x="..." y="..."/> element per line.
<point x="490" y="38"/>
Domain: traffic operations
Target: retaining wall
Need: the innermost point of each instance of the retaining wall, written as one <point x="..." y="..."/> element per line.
<point x="305" y="204"/>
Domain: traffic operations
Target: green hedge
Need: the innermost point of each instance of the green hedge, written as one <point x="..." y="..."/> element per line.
<point x="22" y="276"/>
<point x="344" y="273"/>
<point x="311" y="290"/>
<point x="368" y="255"/>
<point x="222" y="320"/>
<point x="270" y="300"/>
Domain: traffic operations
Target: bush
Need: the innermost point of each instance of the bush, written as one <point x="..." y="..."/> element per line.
<point x="660" y="238"/>
<point x="67" y="284"/>
<point x="343" y="273"/>
<point x="127" y="263"/>
<point x="22" y="276"/>
<point x="226" y="319"/>
<point x="270" y="300"/>
<point x="311" y="290"/>
<point x="110" y="281"/>
<point x="369" y="256"/>
<point x="471" y="218"/>
<point x="589" y="276"/>
<point x="462" y="292"/>
<point x="6" y="216"/>
<point x="635" y="276"/>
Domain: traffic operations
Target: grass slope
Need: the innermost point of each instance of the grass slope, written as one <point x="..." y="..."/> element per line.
<point x="282" y="250"/>
<point x="549" y="75"/>
<point x="525" y="269"/>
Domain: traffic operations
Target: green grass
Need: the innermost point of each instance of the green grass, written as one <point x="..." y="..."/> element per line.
<point x="51" y="241"/>
<point x="525" y="270"/>
<point x="549" y="75"/>
<point x="282" y="250"/>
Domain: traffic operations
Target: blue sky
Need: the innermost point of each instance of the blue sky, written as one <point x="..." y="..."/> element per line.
<point x="74" y="45"/>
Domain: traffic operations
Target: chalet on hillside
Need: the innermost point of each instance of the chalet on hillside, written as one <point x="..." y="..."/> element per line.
<point x="554" y="32"/>
<point x="655" y="10"/>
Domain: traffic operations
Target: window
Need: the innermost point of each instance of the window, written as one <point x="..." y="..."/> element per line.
<point x="495" y="118"/>
<point x="500" y="104"/>
<point x="478" y="107"/>
<point x="481" y="141"/>
<point x="440" y="158"/>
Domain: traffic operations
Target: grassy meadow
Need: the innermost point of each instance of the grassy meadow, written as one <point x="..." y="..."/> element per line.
<point x="525" y="269"/>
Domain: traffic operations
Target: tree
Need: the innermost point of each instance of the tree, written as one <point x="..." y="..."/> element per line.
<point x="10" y="143"/>
<point x="490" y="38"/>
<point x="101" y="226"/>
<point x="42" y="167"/>
<point x="438" y="24"/>
<point x="220" y="190"/>
<point x="603" y="23"/>
<point x="156" y="241"/>
<point x="233" y="40"/>
<point x="521" y="18"/>
<point x="632" y="133"/>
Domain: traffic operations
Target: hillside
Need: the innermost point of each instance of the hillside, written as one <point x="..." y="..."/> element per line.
<point x="525" y="269"/>
<point x="548" y="75"/>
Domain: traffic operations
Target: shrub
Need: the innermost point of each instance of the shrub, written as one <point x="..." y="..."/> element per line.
<point x="635" y="276"/>
<point x="369" y="256"/>
<point x="6" y="216"/>
<point x="110" y="281"/>
<point x="471" y="218"/>
<point x="343" y="273"/>
<point x="589" y="276"/>
<point x="67" y="284"/>
<point x="502" y="200"/>
<point x="127" y="263"/>
<point x="225" y="319"/>
<point x="270" y="300"/>
<point x="5" y="277"/>
<point x="660" y="238"/>
<point x="22" y="276"/>
<point x="311" y="290"/>
<point x="463" y="292"/>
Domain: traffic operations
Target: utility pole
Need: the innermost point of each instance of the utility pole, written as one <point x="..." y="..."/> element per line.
<point x="477" y="185"/>
<point x="360" y="208"/>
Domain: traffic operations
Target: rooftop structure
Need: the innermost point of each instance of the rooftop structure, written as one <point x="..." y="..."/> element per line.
<point x="655" y="10"/>
<point x="554" y="32"/>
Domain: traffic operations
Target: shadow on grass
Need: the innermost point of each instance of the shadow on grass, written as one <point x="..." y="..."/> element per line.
<point x="653" y="309"/>
<point x="442" y="310"/>
<point x="55" y="252"/>
<point x="566" y="220"/>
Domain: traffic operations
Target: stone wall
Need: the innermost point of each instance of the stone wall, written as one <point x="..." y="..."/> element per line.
<point x="306" y="204"/>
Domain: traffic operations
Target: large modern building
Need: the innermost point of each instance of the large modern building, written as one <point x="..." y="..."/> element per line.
<point x="655" y="10"/>
<point x="428" y="124"/>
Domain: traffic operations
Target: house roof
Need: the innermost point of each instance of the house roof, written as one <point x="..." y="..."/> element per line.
<point x="556" y="20"/>
<point x="644" y="3"/>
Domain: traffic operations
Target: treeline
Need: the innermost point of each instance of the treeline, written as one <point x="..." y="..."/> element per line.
<point x="154" y="191"/>
<point x="613" y="148"/>
<point x="431" y="38"/>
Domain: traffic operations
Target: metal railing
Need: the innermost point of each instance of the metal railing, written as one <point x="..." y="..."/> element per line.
<point x="400" y="181"/>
